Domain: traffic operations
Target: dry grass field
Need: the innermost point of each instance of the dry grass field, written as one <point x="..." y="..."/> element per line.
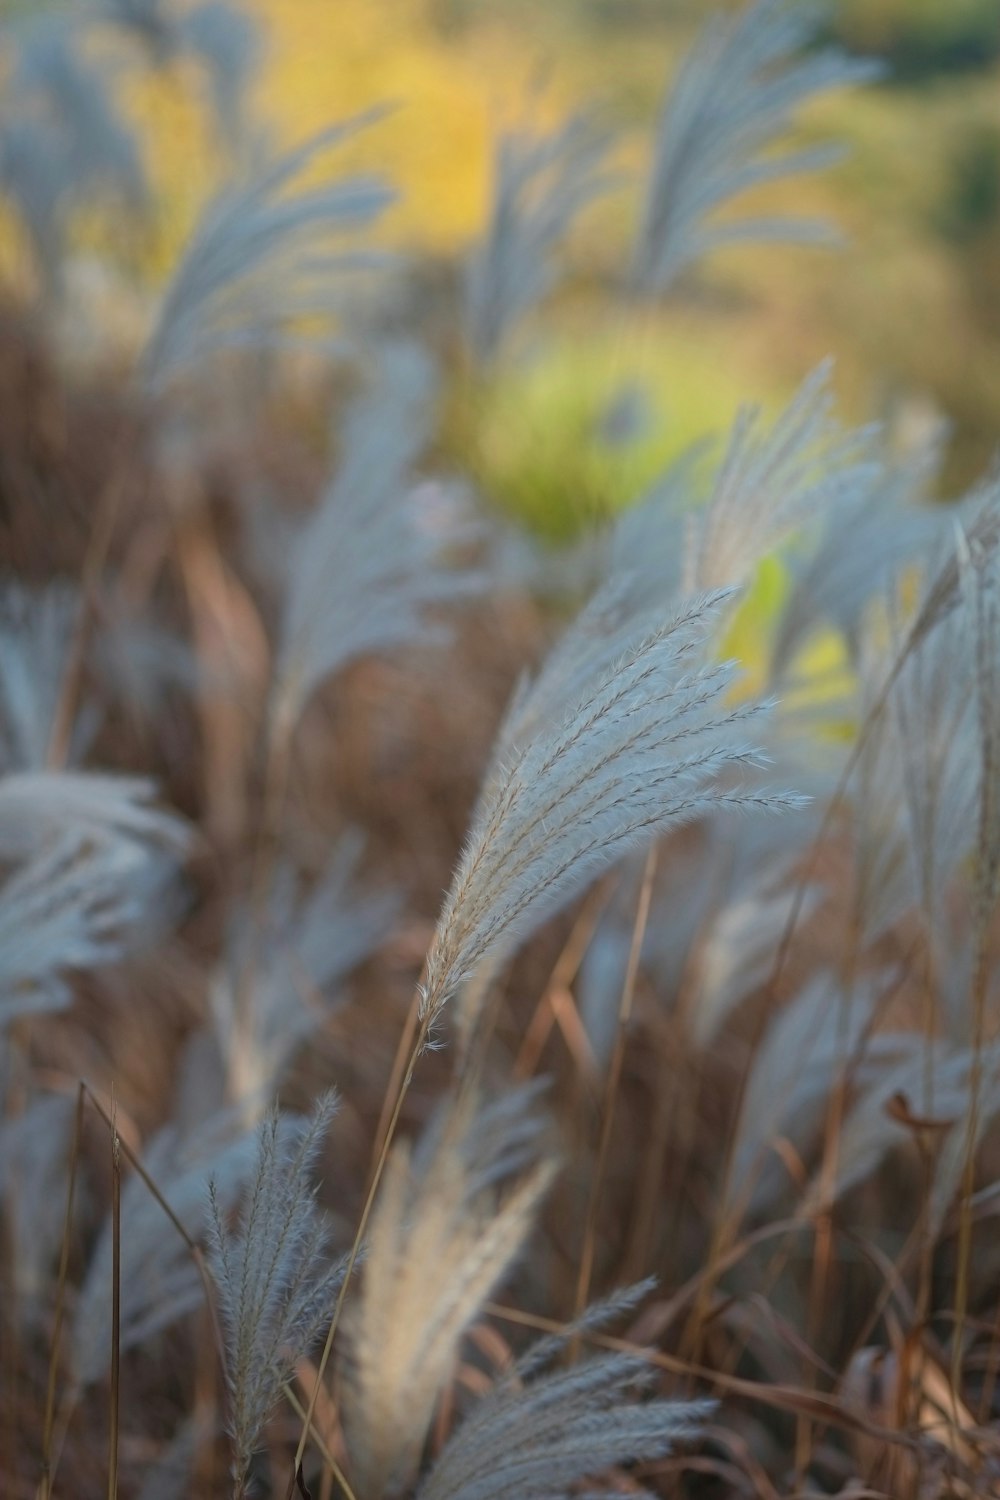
<point x="499" y="750"/>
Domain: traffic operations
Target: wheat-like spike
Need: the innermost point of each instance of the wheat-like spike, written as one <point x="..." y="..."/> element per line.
<point x="442" y="1235"/>
<point x="595" y="1318"/>
<point x="275" y="1281"/>
<point x="736" y="93"/>
<point x="773" y="480"/>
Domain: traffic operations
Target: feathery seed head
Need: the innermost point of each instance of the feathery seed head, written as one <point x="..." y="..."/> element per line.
<point x="276" y="1284"/>
<point x="442" y="1235"/>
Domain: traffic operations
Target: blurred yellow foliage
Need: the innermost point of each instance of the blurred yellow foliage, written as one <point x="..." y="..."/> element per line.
<point x="326" y="61"/>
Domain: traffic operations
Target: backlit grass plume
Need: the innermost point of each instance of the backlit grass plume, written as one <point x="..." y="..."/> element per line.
<point x="541" y="1435"/>
<point x="442" y="1235"/>
<point x="735" y="95"/>
<point x="367" y="564"/>
<point x="222" y="40"/>
<point x="88" y="862"/>
<point x="542" y="183"/>
<point x="63" y="142"/>
<point x="773" y="481"/>
<point x="647" y="740"/>
<point x="867" y="541"/>
<point x="38" y="805"/>
<point x="265" y="258"/>
<point x="75" y="906"/>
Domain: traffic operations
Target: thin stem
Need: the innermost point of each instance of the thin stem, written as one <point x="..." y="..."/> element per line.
<point x="773" y="1394"/>
<point x="321" y="1444"/>
<point x="926" y="1264"/>
<point x="45" y="1487"/>
<point x="404" y="1053"/>
<point x="563" y="974"/>
<point x="95" y="559"/>
<point x="614" y="1081"/>
<point x="980" y="985"/>
<point x="829" y="1166"/>
<point x="722" y="1228"/>
<point x="195" y="1249"/>
<point x="116" y="1301"/>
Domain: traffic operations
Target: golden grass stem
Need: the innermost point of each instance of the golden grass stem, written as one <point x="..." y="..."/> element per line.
<point x="564" y="971"/>
<point x="404" y="1052"/>
<point x="320" y="1441"/>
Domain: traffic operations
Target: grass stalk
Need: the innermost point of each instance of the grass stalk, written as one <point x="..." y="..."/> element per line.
<point x="94" y="562"/>
<point x="48" y="1426"/>
<point x="116" y="1303"/>
<point x="615" y="1069"/>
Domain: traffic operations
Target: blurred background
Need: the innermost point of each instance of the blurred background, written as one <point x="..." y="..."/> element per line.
<point x="911" y="310"/>
<point x="910" y="306"/>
